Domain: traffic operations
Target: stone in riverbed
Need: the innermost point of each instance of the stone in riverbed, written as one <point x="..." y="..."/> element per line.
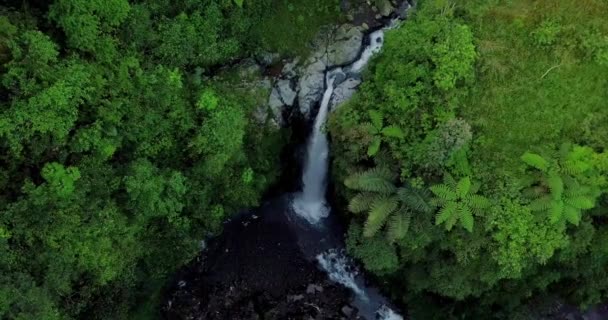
<point x="345" y="45"/>
<point x="288" y="95"/>
<point x="385" y="7"/>
<point x="276" y="106"/>
<point x="344" y="91"/>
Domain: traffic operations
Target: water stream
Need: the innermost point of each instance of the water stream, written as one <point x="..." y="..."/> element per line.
<point x="311" y="204"/>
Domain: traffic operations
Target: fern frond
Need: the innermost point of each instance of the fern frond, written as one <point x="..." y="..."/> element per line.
<point x="393" y="132"/>
<point x="446" y="212"/>
<point x="463" y="187"/>
<point x="541" y="204"/>
<point x="465" y="217"/>
<point x="556" y="211"/>
<point x="572" y="215"/>
<point x="374" y="180"/>
<point x="361" y="202"/>
<point x="536" y="161"/>
<point x="581" y="202"/>
<point x="376" y="118"/>
<point x="478" y="202"/>
<point x="555" y="184"/>
<point x="374" y="146"/>
<point x="415" y="199"/>
<point x="443" y="192"/>
<point x="398" y="226"/>
<point x="449" y="180"/>
<point x="380" y="210"/>
<point x="575" y="167"/>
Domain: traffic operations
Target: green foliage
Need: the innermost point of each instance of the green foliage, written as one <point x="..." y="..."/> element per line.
<point x="384" y="202"/>
<point x="84" y="22"/>
<point x="567" y="186"/>
<point x="115" y="154"/>
<point x="484" y="89"/>
<point x="377" y="130"/>
<point x="458" y="203"/>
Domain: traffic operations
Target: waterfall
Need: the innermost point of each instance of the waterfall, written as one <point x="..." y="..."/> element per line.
<point x="311" y="205"/>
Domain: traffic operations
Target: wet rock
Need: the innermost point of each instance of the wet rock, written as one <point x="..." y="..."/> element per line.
<point x="385" y="7"/>
<point x="347" y="311"/>
<point x="344" y="91"/>
<point x="345" y="45"/>
<point x="311" y="84"/>
<point x="287" y="94"/>
<point x="267" y="58"/>
<point x="276" y="106"/>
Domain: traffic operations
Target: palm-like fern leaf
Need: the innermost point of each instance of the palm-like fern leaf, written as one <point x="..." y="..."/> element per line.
<point x="380" y="210"/>
<point x="398" y="226"/>
<point x="416" y="199"/>
<point x="463" y="187"/>
<point x="536" y="161"/>
<point x="465" y="217"/>
<point x="446" y="212"/>
<point x="581" y="202"/>
<point x="478" y="202"/>
<point x="556" y="184"/>
<point x="361" y="202"/>
<point x="572" y="215"/>
<point x="393" y="132"/>
<point x="541" y="204"/>
<point x="374" y="146"/>
<point x="374" y="180"/>
<point x="444" y="192"/>
<point x="376" y="118"/>
<point x="556" y="211"/>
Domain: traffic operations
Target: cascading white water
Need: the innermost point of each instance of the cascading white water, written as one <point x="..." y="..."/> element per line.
<point x="311" y="205"/>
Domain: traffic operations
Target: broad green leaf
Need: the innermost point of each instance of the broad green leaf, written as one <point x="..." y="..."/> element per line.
<point x="393" y="132"/>
<point x="463" y="187"/>
<point x="536" y="161"/>
<point x="374" y="147"/>
<point x="376" y="118"/>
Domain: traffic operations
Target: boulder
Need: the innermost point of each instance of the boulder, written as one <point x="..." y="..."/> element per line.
<point x="276" y="106"/>
<point x="287" y="94"/>
<point x="385" y="7"/>
<point x="311" y="85"/>
<point x="345" y="45"/>
<point x="344" y="91"/>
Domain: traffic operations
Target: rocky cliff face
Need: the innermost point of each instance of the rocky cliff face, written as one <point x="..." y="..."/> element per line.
<point x="298" y="86"/>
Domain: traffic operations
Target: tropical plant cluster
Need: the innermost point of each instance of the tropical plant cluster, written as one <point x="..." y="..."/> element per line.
<point x="474" y="161"/>
<point x="123" y="143"/>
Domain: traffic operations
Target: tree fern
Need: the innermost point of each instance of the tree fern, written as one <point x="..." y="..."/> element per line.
<point x="393" y="132"/>
<point x="380" y="210"/>
<point x="559" y="190"/>
<point x="457" y="203"/>
<point x="377" y="130"/>
<point x="536" y="161"/>
<point x="373" y="180"/>
<point x="466" y="217"/>
<point x="444" y="192"/>
<point x="416" y="199"/>
<point x="398" y="226"/>
<point x="360" y="202"/>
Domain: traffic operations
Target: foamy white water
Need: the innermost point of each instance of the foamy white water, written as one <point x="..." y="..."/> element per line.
<point x="340" y="270"/>
<point x="386" y="313"/>
<point x="310" y="203"/>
